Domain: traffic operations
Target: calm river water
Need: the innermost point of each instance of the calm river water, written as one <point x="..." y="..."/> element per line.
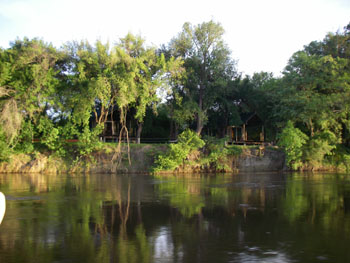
<point x="265" y="217"/>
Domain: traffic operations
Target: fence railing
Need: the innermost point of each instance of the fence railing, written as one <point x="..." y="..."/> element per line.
<point x="134" y="139"/>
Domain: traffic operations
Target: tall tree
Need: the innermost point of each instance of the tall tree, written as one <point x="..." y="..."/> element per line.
<point x="206" y="57"/>
<point x="314" y="94"/>
<point x="92" y="81"/>
<point x="146" y="73"/>
<point x="28" y="84"/>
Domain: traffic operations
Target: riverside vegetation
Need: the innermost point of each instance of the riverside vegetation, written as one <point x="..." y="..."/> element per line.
<point x="190" y="154"/>
<point x="55" y="102"/>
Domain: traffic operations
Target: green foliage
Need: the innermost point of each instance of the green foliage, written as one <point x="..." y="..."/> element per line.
<point x="292" y="140"/>
<point x="318" y="147"/>
<point x="5" y="151"/>
<point x="208" y="65"/>
<point x="183" y="195"/>
<point x="53" y="95"/>
<point x="341" y="157"/>
<point x="88" y="140"/>
<point x="31" y="76"/>
<point x="11" y="118"/>
<point x="217" y="154"/>
<point x="302" y="201"/>
<point x="25" y="138"/>
<point x="188" y="141"/>
<point x="159" y="119"/>
<point x="314" y="93"/>
<point x="49" y="134"/>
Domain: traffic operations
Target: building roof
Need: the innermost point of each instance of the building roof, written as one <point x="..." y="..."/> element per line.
<point x="246" y="116"/>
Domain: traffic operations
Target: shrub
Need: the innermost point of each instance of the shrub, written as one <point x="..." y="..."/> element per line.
<point x="25" y="144"/>
<point x="319" y="146"/>
<point x="188" y="141"/>
<point x="88" y="140"/>
<point x="49" y="134"/>
<point x="217" y="154"/>
<point x="292" y="140"/>
<point x="341" y="157"/>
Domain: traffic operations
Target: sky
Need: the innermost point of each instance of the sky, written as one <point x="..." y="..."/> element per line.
<point x="261" y="34"/>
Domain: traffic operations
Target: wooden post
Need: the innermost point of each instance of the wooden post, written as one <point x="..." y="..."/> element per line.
<point x="262" y="135"/>
<point x="244" y="138"/>
<point x="112" y="122"/>
<point x="232" y="134"/>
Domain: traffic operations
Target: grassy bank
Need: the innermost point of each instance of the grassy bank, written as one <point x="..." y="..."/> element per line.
<point x="212" y="156"/>
<point x="107" y="159"/>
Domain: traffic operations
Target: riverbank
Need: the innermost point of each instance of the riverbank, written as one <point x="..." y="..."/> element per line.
<point x="142" y="159"/>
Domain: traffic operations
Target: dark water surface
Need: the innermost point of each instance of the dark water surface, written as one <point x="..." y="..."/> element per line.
<point x="265" y="217"/>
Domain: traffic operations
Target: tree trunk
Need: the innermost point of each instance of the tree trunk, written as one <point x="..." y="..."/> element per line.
<point x="312" y="133"/>
<point x="200" y="113"/>
<point x="199" y="125"/>
<point x="139" y="131"/>
<point x="171" y="133"/>
<point x="176" y="132"/>
<point x="223" y="132"/>
<point x="224" y="127"/>
<point x="244" y="137"/>
<point x="113" y="130"/>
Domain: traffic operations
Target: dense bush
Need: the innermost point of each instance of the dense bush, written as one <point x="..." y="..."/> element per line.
<point x="217" y="154"/>
<point x="292" y="141"/>
<point x="188" y="141"/>
<point x="214" y="155"/>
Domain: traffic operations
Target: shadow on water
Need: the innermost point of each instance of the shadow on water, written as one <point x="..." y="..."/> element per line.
<point x="266" y="217"/>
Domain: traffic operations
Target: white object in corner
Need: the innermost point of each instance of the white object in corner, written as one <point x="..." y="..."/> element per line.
<point x="2" y="206"/>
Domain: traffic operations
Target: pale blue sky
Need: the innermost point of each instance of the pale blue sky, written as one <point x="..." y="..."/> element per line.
<point x="262" y="34"/>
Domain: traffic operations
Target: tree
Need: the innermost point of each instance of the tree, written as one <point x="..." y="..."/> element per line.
<point x="207" y="62"/>
<point x="142" y="65"/>
<point x="179" y="103"/>
<point x="314" y="94"/>
<point x="225" y="110"/>
<point x="260" y="94"/>
<point x="146" y="72"/>
<point x="316" y="91"/>
<point x="91" y="86"/>
<point x="27" y="85"/>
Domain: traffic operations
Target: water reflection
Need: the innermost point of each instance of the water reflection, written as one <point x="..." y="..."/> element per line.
<point x="227" y="218"/>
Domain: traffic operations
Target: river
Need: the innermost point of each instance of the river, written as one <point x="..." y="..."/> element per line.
<point x="261" y="217"/>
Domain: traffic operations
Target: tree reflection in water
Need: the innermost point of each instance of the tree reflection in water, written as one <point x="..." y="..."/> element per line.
<point x="240" y="218"/>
